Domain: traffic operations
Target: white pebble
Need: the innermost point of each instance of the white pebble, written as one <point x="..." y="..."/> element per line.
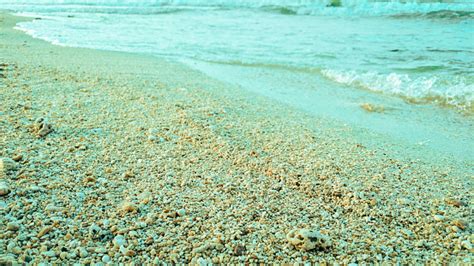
<point x="181" y="212"/>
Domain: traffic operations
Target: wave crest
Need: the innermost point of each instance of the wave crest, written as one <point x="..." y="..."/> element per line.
<point x="458" y="92"/>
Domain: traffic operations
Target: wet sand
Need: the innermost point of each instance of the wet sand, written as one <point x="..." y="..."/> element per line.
<point x="116" y="157"/>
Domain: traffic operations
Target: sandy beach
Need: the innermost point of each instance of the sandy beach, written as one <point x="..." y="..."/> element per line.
<point x="109" y="157"/>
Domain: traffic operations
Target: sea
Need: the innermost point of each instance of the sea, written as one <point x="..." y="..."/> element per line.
<point x="306" y="53"/>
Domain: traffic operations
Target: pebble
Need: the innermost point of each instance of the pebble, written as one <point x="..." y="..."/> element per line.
<point x="119" y="241"/>
<point x="83" y="253"/>
<point x="181" y="212"/>
<point x="6" y="165"/>
<point x="49" y="253"/>
<point x="4" y="189"/>
<point x="63" y="255"/>
<point x="106" y="259"/>
<point x="44" y="231"/>
<point x="52" y="208"/>
<point x="439" y="218"/>
<point x="17" y="158"/>
<point x="13" y="226"/>
<point x="128" y="207"/>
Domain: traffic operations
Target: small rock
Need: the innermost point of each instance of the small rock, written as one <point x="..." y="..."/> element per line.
<point x="304" y="239"/>
<point x="13" y="226"/>
<point x="141" y="224"/>
<point x="239" y="250"/>
<point x="83" y="253"/>
<point x="100" y="250"/>
<point x="129" y="253"/>
<point x="439" y="218"/>
<point x="460" y="224"/>
<point x="4" y="189"/>
<point x="44" y="231"/>
<point x="119" y="241"/>
<point x="94" y="229"/>
<point x="63" y="255"/>
<point x="128" y="207"/>
<point x="17" y="250"/>
<point x="454" y="202"/>
<point x="49" y="253"/>
<point x="17" y="158"/>
<point x="407" y="233"/>
<point x="105" y="259"/>
<point x="52" y="208"/>
<point x="6" y="165"/>
<point x="181" y="212"/>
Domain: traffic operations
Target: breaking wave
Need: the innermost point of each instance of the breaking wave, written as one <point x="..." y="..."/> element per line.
<point x="455" y="92"/>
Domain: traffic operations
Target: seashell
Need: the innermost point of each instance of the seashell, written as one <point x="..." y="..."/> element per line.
<point x="304" y="239"/>
<point x="42" y="127"/>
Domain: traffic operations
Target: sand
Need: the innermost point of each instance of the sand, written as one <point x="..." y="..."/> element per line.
<point x="115" y="157"/>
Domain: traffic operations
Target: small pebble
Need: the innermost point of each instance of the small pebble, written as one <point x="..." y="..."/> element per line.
<point x="83" y="253"/>
<point x="4" y="189"/>
<point x="63" y="255"/>
<point x="13" y="226"/>
<point x="119" y="241"/>
<point x="49" y="253"/>
<point x="17" y="158"/>
<point x="181" y="212"/>
<point x="105" y="259"/>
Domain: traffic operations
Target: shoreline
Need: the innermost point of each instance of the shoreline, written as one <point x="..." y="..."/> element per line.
<point x="150" y="161"/>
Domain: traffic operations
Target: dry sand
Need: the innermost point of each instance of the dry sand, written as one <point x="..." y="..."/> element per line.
<point x="113" y="157"/>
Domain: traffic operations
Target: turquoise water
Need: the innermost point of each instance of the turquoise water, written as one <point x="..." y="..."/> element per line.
<point x="419" y="50"/>
<point x="327" y="58"/>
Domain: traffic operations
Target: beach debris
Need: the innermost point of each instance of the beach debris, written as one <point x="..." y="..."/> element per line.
<point x="6" y="165"/>
<point x="41" y="127"/>
<point x="304" y="239"/>
<point x="372" y="108"/>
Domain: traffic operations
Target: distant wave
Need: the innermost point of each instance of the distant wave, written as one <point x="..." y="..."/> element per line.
<point x="459" y="9"/>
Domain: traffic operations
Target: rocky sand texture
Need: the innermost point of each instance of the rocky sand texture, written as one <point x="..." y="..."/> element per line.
<point x="110" y="157"/>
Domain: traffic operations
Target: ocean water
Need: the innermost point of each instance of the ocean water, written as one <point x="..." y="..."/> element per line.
<point x="421" y="51"/>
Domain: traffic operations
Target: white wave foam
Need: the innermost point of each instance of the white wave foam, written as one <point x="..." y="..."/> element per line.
<point x="457" y="92"/>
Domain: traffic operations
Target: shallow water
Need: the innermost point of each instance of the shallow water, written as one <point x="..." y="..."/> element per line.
<point x="423" y="52"/>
